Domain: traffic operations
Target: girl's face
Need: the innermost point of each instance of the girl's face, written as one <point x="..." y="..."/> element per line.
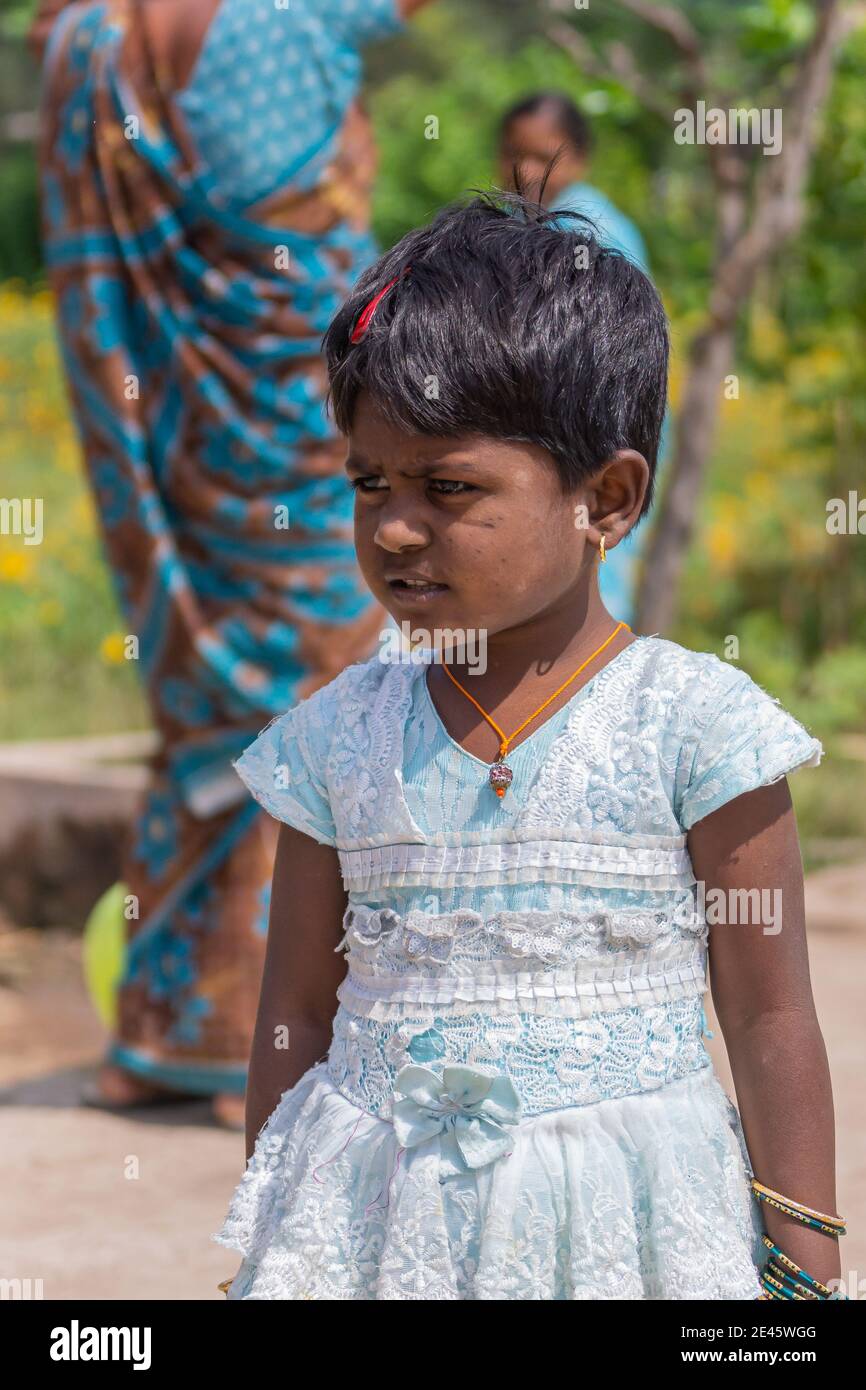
<point x="481" y="523"/>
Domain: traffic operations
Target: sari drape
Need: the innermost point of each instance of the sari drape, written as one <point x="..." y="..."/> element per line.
<point x="190" y="337"/>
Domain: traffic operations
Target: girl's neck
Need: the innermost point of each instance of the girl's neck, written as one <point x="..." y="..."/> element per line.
<point x="544" y="646"/>
<point x="524" y="667"/>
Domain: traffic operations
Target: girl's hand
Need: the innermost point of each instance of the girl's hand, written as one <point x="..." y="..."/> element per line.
<point x="747" y="856"/>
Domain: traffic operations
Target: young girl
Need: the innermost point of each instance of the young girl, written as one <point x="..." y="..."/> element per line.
<point x="495" y="869"/>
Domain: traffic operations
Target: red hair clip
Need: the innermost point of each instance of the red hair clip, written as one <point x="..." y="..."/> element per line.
<point x="369" y="310"/>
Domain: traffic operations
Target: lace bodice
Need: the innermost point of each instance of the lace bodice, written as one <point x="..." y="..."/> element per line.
<point x="657" y="740"/>
<point x="566" y="912"/>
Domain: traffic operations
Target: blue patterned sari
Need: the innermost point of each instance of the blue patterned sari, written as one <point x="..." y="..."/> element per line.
<point x="195" y="268"/>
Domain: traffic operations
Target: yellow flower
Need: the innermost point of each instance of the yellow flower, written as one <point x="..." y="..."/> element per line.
<point x="16" y="566"/>
<point x="722" y="545"/>
<point x="768" y="339"/>
<point x="83" y="514"/>
<point x="66" y="455"/>
<point x="35" y="414"/>
<point x="113" y="649"/>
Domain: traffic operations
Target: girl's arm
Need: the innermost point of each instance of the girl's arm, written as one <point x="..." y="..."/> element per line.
<point x="759" y="976"/>
<point x="301" y="973"/>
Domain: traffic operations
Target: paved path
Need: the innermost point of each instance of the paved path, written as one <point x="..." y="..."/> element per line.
<point x="71" y="1215"/>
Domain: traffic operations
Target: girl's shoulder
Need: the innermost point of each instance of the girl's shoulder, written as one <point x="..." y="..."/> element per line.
<point x="697" y="679"/>
<point x="361" y="694"/>
<point x="300" y="759"/>
<point x="698" y="686"/>
<point x="719" y="731"/>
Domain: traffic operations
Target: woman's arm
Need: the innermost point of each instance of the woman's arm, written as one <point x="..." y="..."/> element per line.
<point x="301" y="973"/>
<point x="759" y="975"/>
<point x="43" y="22"/>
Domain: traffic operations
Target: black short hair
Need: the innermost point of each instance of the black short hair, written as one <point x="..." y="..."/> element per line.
<point x="565" y="115"/>
<point x="531" y="332"/>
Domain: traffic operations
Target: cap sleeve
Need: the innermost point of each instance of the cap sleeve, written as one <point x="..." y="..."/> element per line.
<point x="748" y="741"/>
<point x="279" y="768"/>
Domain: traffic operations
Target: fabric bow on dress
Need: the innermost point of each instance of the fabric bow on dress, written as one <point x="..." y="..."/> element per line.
<point x="466" y="1107"/>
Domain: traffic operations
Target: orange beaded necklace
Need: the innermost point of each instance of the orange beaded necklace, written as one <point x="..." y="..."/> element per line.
<point x="501" y="775"/>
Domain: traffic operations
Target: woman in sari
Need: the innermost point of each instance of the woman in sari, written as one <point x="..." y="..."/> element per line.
<point x="205" y="178"/>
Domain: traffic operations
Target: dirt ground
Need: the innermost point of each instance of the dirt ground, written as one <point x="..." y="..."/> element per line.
<point x="72" y="1215"/>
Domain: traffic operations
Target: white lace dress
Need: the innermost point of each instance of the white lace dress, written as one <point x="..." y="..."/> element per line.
<point x="517" y="1102"/>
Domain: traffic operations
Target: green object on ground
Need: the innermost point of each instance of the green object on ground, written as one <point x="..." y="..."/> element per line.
<point x="103" y="952"/>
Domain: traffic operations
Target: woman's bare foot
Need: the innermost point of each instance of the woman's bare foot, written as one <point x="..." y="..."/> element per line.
<point x="229" y="1110"/>
<point x="119" y="1087"/>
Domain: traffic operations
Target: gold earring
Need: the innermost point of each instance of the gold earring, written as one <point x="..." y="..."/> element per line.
<point x="601" y="555"/>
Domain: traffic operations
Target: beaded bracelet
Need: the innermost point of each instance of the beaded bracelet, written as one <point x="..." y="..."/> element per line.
<point x="773" y="1285"/>
<point x="776" y="1279"/>
<point x="790" y="1286"/>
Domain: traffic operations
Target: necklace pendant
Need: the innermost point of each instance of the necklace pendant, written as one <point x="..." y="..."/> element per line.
<point x="500" y="778"/>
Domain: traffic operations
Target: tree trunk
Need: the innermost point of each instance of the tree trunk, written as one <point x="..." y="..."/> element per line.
<point x="710" y="358"/>
<point x="745" y="243"/>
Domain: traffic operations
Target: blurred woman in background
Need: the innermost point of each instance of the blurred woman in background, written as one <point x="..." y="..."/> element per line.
<point x="547" y="126"/>
<point x="206" y="170"/>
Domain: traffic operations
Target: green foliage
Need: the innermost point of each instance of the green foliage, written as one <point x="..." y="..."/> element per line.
<point x="467" y="92"/>
<point x="763" y="568"/>
<point x="467" y="83"/>
<point x="58" y="610"/>
<point x="20" y="251"/>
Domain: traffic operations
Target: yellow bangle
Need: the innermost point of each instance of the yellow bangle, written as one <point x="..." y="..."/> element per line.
<point x="799" y="1206"/>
